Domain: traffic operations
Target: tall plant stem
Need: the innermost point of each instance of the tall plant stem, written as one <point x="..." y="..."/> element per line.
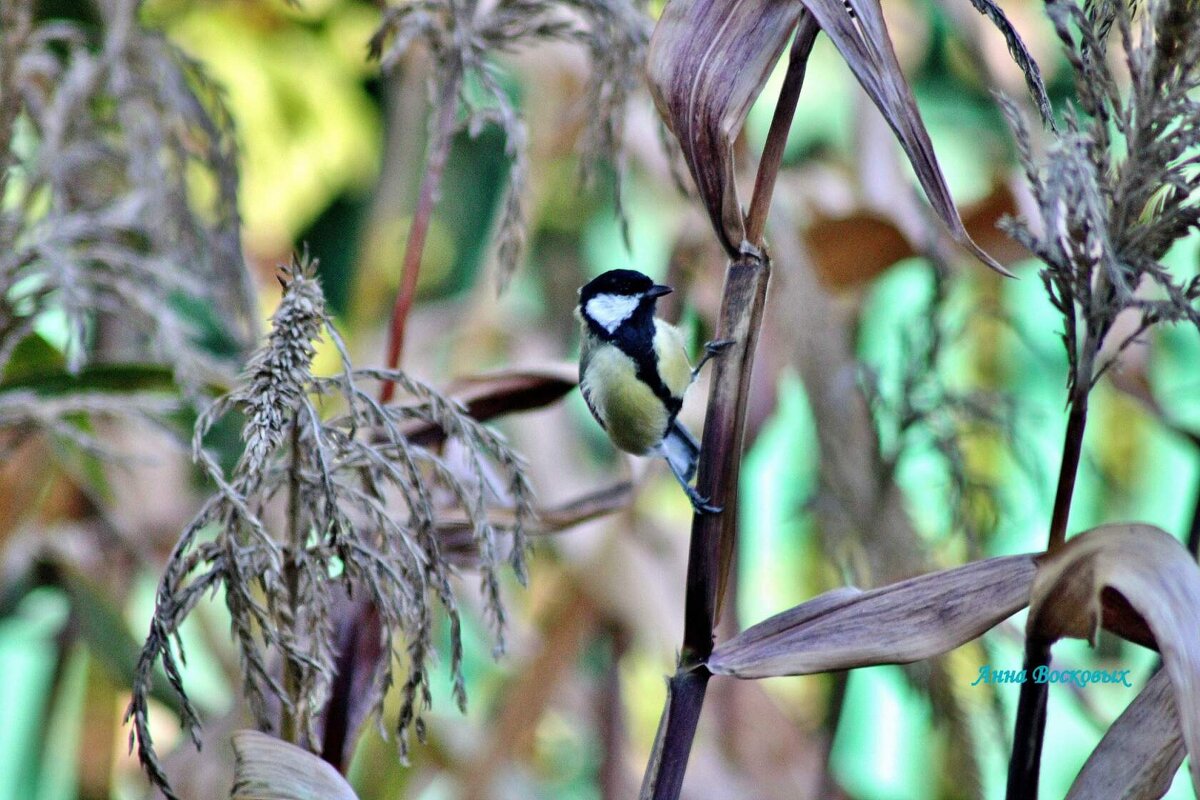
<point x="1068" y="469"/>
<point x="289" y="725"/>
<point x="781" y="123"/>
<point x="1029" y="730"/>
<point x="711" y="547"/>
<point x="414" y="247"/>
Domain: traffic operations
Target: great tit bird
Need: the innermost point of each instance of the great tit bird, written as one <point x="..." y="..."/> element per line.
<point x="634" y="370"/>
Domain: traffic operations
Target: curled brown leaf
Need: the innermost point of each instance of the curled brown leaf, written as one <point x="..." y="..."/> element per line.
<point x="708" y="62"/>
<point x="1156" y="577"/>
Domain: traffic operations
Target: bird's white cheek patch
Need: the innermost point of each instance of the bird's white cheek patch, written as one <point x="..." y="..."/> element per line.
<point x="610" y="310"/>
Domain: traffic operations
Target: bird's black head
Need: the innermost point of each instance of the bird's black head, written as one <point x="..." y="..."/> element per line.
<point x="618" y="298"/>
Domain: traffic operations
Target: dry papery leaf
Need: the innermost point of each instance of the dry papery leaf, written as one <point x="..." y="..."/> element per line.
<point x="1140" y="753"/>
<point x="709" y="60"/>
<point x="272" y="769"/>
<point x="491" y="395"/>
<point x="897" y="624"/>
<point x="1157" y="578"/>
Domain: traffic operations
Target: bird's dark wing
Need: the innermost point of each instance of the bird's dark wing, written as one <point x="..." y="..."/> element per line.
<point x="587" y="398"/>
<point x="585" y="358"/>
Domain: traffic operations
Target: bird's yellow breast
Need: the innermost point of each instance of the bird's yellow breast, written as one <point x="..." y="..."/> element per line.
<point x="635" y="419"/>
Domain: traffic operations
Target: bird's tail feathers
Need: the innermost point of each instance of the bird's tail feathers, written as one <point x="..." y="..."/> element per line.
<point x="681" y="450"/>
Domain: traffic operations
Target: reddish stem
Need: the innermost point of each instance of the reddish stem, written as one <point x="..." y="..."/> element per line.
<point x="435" y="165"/>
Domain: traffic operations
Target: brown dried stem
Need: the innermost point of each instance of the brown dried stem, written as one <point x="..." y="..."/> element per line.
<point x="289" y="725"/>
<point x="713" y="535"/>
<point x="781" y="123"/>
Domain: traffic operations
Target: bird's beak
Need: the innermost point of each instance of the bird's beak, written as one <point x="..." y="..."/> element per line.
<point x="658" y="290"/>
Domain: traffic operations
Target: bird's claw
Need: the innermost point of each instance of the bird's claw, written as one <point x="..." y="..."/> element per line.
<point x="711" y="349"/>
<point x="700" y="502"/>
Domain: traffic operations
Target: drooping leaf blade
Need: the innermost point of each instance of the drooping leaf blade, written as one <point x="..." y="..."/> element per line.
<point x="862" y="39"/>
<point x="1140" y="753"/>
<point x="896" y="624"/>
<point x="1156" y="577"/>
<point x="709" y="60"/>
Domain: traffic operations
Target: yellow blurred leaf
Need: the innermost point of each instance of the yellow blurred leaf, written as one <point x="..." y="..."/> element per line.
<point x="297" y="101"/>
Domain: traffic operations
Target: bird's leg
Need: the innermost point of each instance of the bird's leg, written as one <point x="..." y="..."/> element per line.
<point x="699" y="502"/>
<point x="710" y="349"/>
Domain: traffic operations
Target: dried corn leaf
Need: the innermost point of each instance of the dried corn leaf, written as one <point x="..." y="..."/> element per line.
<point x="267" y="768"/>
<point x="547" y="519"/>
<point x="497" y="393"/>
<point x="1140" y="754"/>
<point x="896" y="624"/>
<point x="353" y="694"/>
<point x="507" y="392"/>
<point x="709" y="60"/>
<point x="1159" y="580"/>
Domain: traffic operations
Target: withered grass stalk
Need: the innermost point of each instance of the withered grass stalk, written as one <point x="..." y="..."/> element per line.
<point x="1110" y="207"/>
<point x="360" y="518"/>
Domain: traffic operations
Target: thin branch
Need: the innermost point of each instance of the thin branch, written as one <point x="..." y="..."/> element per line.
<point x="1029" y="729"/>
<point x="414" y="247"/>
<point x="291" y="723"/>
<point x="781" y="123"/>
